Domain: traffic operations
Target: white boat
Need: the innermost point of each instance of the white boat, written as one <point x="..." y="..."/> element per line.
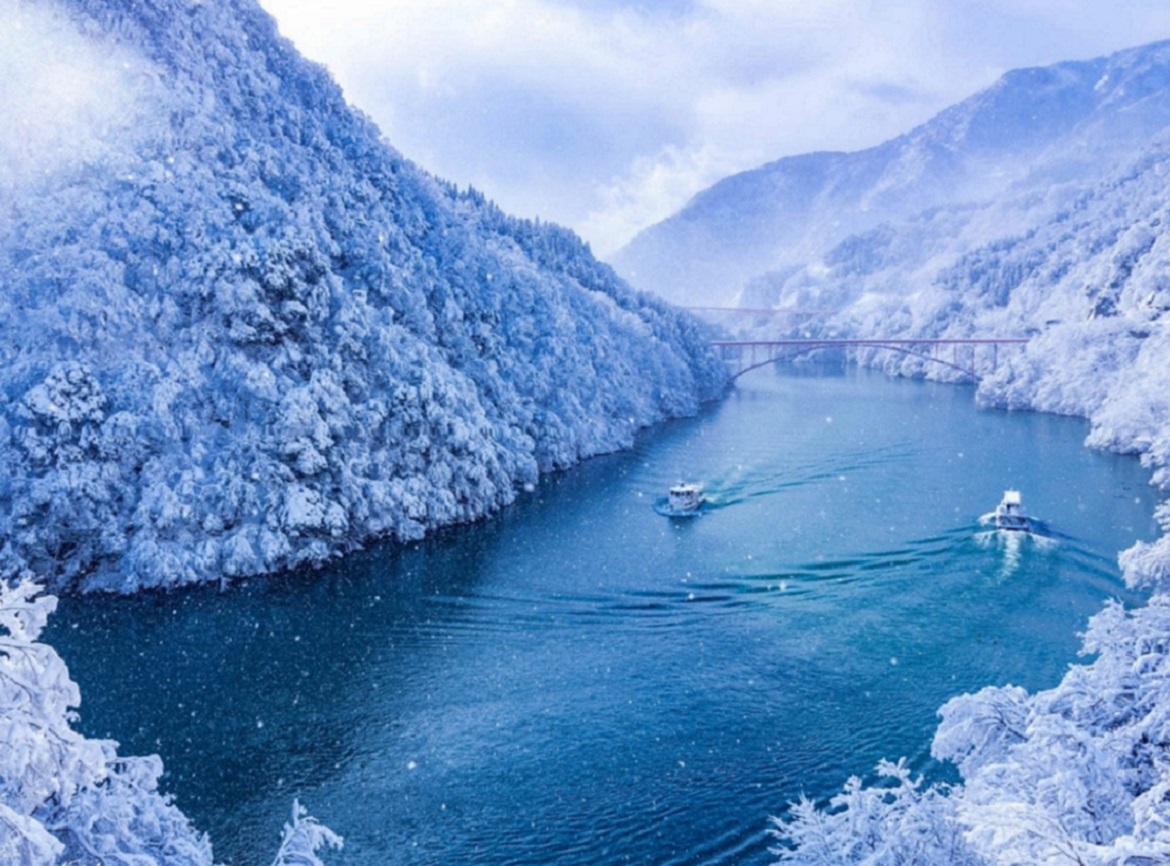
<point x="684" y="498"/>
<point x="1010" y="514"/>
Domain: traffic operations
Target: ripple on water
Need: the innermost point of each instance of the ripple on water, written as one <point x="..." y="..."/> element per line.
<point x="761" y="475"/>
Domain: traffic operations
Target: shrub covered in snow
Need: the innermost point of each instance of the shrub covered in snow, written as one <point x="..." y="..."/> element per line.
<point x="1075" y="774"/>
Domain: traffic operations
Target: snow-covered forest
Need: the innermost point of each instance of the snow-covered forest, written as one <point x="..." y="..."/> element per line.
<point x="1065" y="243"/>
<point x="241" y="334"/>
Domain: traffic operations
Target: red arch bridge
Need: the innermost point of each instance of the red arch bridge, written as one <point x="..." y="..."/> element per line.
<point x="971" y="357"/>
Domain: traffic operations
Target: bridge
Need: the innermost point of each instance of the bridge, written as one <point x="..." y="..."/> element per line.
<point x="963" y="355"/>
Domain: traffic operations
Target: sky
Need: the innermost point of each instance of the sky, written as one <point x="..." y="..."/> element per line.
<point x="606" y="116"/>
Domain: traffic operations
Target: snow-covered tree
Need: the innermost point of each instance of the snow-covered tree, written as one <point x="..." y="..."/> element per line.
<point x="901" y="823"/>
<point x="302" y="838"/>
<point x="66" y="799"/>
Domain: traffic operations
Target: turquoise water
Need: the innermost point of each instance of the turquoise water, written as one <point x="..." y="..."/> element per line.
<point x="584" y="681"/>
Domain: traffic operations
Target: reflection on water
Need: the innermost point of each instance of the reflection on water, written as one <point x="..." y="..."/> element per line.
<point x="583" y="681"/>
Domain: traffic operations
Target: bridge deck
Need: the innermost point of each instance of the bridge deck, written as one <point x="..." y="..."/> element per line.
<point x="926" y="348"/>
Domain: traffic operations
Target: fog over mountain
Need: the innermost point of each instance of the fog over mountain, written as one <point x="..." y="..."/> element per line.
<point x="1033" y="129"/>
<point x="240" y="333"/>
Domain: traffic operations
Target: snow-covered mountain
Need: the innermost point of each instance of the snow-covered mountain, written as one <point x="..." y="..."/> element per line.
<point x="239" y="333"/>
<point x="1032" y="129"/>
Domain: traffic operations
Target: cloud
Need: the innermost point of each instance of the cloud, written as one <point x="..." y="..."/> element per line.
<point x="650" y="190"/>
<point x="607" y="115"/>
<point x="531" y="101"/>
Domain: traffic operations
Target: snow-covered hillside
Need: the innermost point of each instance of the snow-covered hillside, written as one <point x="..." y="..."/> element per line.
<point x="239" y="333"/>
<point x="1032" y="129"/>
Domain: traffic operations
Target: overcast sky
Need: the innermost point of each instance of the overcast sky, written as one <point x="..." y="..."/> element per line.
<point x="608" y="115"/>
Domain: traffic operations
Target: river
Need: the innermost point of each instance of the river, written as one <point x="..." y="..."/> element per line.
<point x="583" y="681"/>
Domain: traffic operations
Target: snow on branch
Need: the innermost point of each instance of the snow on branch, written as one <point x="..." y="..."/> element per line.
<point x="303" y="838"/>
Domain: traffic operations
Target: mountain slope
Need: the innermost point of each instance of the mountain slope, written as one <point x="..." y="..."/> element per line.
<point x="1082" y="270"/>
<point x="239" y="333"/>
<point x="1032" y="128"/>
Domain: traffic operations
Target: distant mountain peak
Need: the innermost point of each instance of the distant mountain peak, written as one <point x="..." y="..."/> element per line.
<point x="1071" y="118"/>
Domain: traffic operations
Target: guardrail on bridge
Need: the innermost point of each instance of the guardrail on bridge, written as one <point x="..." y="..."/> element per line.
<point x="742" y="356"/>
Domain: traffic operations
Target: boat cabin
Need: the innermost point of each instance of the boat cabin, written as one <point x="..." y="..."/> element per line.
<point x="685" y="497"/>
<point x="1010" y="514"/>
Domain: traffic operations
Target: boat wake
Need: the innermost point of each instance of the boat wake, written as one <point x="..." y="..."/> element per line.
<point x="1014" y="543"/>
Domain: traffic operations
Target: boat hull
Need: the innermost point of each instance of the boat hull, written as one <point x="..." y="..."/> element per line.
<point x="1013" y="524"/>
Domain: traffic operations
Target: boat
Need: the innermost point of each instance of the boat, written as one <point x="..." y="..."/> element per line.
<point x="684" y="499"/>
<point x="1010" y="514"/>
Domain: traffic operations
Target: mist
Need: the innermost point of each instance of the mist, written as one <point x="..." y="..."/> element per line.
<point x="68" y="100"/>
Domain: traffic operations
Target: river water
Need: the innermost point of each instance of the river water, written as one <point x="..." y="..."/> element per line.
<point x="583" y="681"/>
